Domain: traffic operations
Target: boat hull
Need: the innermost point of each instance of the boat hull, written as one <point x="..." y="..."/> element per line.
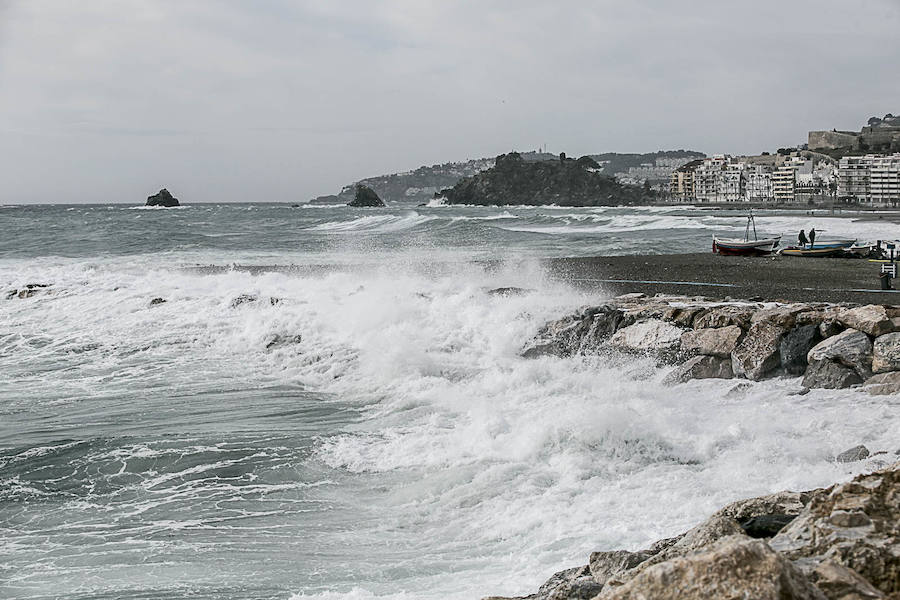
<point x="745" y="248"/>
<point x="814" y="252"/>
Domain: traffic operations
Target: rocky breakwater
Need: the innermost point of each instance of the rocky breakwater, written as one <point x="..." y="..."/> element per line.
<point x="842" y="542"/>
<point x="830" y="345"/>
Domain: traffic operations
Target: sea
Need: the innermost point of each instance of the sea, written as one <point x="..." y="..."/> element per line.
<point x="266" y="401"/>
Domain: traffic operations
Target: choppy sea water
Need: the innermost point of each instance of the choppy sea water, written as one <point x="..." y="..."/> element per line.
<point x="399" y="448"/>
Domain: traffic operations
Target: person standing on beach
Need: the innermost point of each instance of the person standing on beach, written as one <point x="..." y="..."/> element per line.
<point x="802" y="238"/>
<point x="812" y="237"/>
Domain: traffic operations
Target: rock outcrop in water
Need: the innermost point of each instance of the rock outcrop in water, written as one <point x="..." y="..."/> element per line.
<point x="365" y="197"/>
<point x="162" y="198"/>
<point x="718" y="339"/>
<point x="839" y="543"/>
<point x="566" y="182"/>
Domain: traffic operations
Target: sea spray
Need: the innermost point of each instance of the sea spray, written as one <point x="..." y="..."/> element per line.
<point x="398" y="446"/>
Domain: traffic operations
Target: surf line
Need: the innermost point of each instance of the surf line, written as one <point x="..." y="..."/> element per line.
<point x="651" y="281"/>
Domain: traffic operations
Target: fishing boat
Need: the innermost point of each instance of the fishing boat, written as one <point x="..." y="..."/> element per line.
<point x="746" y="246"/>
<point x="812" y="252"/>
<point x="821" y="248"/>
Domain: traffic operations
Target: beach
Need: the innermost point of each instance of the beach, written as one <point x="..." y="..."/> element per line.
<point x="706" y="274"/>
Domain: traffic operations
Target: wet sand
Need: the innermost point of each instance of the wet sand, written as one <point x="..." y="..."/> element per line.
<point x="767" y="278"/>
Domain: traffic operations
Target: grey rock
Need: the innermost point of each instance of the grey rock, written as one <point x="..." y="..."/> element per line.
<point x="157" y="301"/>
<point x="701" y="367"/>
<point x="365" y="197"/>
<point x="278" y="340"/>
<point x="850" y="348"/>
<point x="758" y="353"/>
<point x="842" y="583"/>
<point x="883" y="384"/>
<point x="765" y="526"/>
<point x="853" y="454"/>
<point x="162" y="198"/>
<point x="855" y="524"/>
<point x="723" y="316"/>
<point x="683" y="316"/>
<point x="718" y="341"/>
<point x="782" y="316"/>
<point x="830" y="375"/>
<point x="871" y="319"/>
<point x="734" y="568"/>
<point x="830" y="327"/>
<point x="648" y="336"/>
<point x="795" y="345"/>
<point x="886" y="353"/>
<point x="612" y="565"/>
<point x="509" y="291"/>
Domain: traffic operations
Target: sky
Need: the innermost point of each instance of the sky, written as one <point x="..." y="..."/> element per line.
<point x="277" y="100"/>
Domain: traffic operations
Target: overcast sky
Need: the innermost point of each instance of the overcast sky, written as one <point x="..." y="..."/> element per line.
<point x="233" y="100"/>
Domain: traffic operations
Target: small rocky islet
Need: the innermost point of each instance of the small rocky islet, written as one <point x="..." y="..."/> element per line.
<point x="365" y="197"/>
<point x="163" y="198"/>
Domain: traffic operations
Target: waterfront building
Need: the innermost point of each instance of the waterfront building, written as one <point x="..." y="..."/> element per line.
<point x="854" y="173"/>
<point x="759" y="184"/>
<point x="884" y="180"/>
<point x="681" y="184"/>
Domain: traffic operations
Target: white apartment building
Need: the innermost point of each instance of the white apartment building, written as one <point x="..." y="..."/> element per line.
<point x="873" y="179"/>
<point x="884" y="180"/>
<point x="795" y="173"/>
<point x="759" y="184"/>
<point x="706" y="178"/>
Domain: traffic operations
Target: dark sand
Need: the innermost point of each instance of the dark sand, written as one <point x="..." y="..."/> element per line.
<point x="769" y="278"/>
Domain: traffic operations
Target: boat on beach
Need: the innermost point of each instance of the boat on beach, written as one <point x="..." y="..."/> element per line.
<point x="812" y="252"/>
<point x="746" y="246"/>
<point x="823" y="248"/>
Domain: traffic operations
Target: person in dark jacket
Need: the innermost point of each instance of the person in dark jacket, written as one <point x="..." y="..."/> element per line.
<point x="812" y="237"/>
<point x="802" y="238"/>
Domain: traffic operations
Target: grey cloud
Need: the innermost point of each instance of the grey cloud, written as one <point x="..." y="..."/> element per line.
<point x="287" y="100"/>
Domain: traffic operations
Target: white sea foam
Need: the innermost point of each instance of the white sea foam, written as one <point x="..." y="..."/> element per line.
<point x="489" y="470"/>
<point x="374" y="223"/>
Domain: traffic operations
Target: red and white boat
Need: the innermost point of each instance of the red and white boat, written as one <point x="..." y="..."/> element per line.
<point x="746" y="246"/>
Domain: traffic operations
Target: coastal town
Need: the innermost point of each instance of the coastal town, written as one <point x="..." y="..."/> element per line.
<point x="840" y="167"/>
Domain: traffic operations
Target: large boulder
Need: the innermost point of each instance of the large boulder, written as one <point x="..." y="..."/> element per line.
<point x="723" y="316"/>
<point x="365" y="197"/>
<point x="838" y="582"/>
<point x="652" y="335"/>
<point x="162" y="198"/>
<point x="850" y="348"/>
<point x="683" y="315"/>
<point x="734" y="568"/>
<point x="872" y="319"/>
<point x="758" y="353"/>
<point x="795" y="346"/>
<point x="830" y="375"/>
<point x="883" y="384"/>
<point x="701" y="367"/>
<point x="855" y="524"/>
<point x="886" y="353"/>
<point x="719" y="341"/>
<point x="581" y="333"/>
<point x="783" y="316"/>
